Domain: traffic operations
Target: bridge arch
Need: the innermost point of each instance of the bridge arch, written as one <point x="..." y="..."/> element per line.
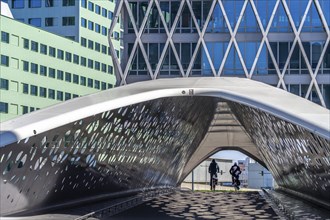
<point x="151" y="134"/>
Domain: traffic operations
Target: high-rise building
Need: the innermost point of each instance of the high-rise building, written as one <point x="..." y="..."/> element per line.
<point x="39" y="68"/>
<point x="284" y="43"/>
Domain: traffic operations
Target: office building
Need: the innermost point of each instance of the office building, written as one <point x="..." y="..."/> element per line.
<point x="281" y="43"/>
<point x="39" y="67"/>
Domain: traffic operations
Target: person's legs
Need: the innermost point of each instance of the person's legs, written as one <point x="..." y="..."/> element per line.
<point x="211" y="174"/>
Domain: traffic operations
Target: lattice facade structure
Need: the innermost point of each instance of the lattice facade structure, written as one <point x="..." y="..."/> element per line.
<point x="284" y="43"/>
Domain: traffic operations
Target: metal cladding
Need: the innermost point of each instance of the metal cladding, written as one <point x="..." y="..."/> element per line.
<point x="135" y="147"/>
<point x="145" y="135"/>
<point x="298" y="159"/>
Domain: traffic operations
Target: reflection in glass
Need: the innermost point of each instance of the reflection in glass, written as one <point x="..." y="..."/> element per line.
<point x="280" y="22"/>
<point x="248" y="22"/>
<point x="297" y="9"/>
<point x="265" y="9"/>
<point x="217" y="21"/>
<point x="233" y="64"/>
<point x="313" y="22"/>
<point x="233" y="9"/>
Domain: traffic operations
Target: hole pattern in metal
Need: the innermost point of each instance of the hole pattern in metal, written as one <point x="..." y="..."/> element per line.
<point x="139" y="146"/>
<point x="297" y="158"/>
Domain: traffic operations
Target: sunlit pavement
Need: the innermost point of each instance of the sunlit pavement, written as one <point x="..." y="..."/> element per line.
<point x="206" y="187"/>
<point x="203" y="205"/>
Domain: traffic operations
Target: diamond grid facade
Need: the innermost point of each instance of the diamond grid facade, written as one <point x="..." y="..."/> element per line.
<point x="284" y="43"/>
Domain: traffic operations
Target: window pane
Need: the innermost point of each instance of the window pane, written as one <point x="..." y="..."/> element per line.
<point x="51" y="72"/>
<point x="26" y="43"/>
<point x="4" y="60"/>
<point x="49" y="3"/>
<point x="68" y="21"/>
<point x="17" y="3"/>
<point x="68" y="77"/>
<point x="35" y="22"/>
<point x="68" y="2"/>
<point x="34" y="46"/>
<point x="51" y="93"/>
<point x="4" y="37"/>
<point x="43" y="92"/>
<point x="34" y="3"/>
<point x="3" y="107"/>
<point x="59" y="95"/>
<point x="60" y="54"/>
<point x="49" y="22"/>
<point x="43" y="49"/>
<point x="4" y="84"/>
<point x="34" y="68"/>
<point x="84" y="3"/>
<point x="34" y="90"/>
<point x="90" y="6"/>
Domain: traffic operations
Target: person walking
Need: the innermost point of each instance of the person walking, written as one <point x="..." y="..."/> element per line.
<point x="213" y="170"/>
<point x="235" y="171"/>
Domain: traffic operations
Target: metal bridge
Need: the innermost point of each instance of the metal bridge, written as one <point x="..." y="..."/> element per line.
<point x="151" y="134"/>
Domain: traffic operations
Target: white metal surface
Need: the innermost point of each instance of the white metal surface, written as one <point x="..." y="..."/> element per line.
<point x="248" y="92"/>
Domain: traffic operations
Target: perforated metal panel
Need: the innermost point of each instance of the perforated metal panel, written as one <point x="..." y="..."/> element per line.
<point x="135" y="147"/>
<point x="298" y="159"/>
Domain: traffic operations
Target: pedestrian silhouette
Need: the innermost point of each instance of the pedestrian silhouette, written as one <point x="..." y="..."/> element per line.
<point x="235" y="171"/>
<point x="213" y="170"/>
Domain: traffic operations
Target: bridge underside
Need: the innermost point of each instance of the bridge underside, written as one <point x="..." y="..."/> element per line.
<point x="149" y="144"/>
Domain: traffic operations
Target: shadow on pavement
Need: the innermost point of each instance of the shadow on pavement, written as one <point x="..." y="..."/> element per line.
<point x="203" y="205"/>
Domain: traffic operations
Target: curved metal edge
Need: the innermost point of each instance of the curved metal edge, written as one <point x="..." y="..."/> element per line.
<point x="85" y="107"/>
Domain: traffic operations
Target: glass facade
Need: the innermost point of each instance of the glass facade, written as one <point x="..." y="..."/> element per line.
<point x="277" y="42"/>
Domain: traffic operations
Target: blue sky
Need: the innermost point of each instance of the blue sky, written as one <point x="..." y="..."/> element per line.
<point x="229" y="154"/>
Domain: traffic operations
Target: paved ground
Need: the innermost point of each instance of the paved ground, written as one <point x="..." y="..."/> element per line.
<point x="207" y="187"/>
<point x="202" y="205"/>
